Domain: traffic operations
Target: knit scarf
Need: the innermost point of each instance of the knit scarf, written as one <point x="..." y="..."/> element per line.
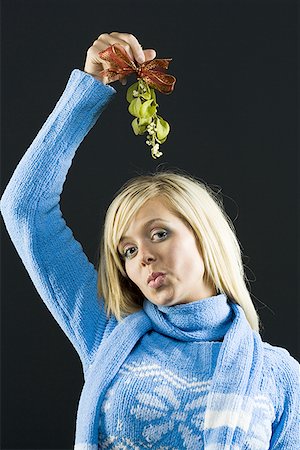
<point x="230" y="399"/>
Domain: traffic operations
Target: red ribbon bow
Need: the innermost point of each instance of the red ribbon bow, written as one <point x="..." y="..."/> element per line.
<point x="152" y="72"/>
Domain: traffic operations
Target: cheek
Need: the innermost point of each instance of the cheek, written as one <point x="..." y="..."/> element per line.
<point x="186" y="260"/>
<point x="127" y="270"/>
<point x="178" y="259"/>
<point x="131" y="273"/>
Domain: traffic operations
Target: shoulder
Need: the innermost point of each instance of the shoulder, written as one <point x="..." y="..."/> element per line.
<point x="284" y="371"/>
<point x="280" y="360"/>
<point x="282" y="376"/>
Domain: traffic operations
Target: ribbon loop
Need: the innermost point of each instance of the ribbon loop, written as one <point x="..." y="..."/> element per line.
<point x="152" y="72"/>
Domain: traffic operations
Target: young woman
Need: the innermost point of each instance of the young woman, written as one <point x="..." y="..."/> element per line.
<point x="165" y="328"/>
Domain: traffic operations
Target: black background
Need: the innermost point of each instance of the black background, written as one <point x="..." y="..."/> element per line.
<point x="233" y="117"/>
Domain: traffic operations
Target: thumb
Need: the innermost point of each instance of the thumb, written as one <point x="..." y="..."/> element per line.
<point x="149" y="54"/>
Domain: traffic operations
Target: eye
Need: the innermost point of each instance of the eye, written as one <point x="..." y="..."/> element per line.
<point x="162" y="234"/>
<point x="127" y="253"/>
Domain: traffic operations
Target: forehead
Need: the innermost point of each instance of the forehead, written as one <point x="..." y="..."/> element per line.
<point x="154" y="208"/>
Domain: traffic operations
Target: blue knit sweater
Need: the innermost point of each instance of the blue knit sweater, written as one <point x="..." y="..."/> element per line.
<point x="191" y="376"/>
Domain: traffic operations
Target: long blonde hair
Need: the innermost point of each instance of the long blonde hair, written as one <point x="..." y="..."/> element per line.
<point x="199" y="206"/>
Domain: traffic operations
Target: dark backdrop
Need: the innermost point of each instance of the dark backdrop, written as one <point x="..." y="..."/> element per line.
<point x="233" y="124"/>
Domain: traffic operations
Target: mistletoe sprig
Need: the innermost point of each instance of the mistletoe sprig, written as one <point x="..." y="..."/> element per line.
<point x="143" y="105"/>
<point x="141" y="96"/>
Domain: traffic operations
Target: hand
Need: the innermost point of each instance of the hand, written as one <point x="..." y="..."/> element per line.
<point x="94" y="65"/>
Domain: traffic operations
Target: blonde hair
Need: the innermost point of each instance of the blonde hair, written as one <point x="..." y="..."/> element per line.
<point x="197" y="205"/>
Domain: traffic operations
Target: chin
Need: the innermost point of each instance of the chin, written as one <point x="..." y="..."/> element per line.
<point x="166" y="297"/>
<point x="165" y="301"/>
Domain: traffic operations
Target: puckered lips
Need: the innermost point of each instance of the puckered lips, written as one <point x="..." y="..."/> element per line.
<point x="156" y="279"/>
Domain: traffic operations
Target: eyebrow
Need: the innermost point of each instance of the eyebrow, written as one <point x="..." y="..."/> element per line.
<point x="146" y="224"/>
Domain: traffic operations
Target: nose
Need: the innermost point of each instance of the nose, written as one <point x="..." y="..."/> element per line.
<point x="146" y="255"/>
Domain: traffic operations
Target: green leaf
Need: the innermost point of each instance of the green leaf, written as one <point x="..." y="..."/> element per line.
<point x="161" y="141"/>
<point x="135" y="126"/>
<point x="138" y="127"/>
<point x="129" y="94"/>
<point x="143" y="124"/>
<point x="163" y="128"/>
<point x="135" y="107"/>
<point x="146" y="95"/>
<point x="153" y="95"/>
<point x="147" y="110"/>
<point x="145" y="121"/>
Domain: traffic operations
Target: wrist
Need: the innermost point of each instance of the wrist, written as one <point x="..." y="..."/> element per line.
<point x="97" y="77"/>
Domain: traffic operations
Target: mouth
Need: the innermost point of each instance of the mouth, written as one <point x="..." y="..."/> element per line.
<point x="157" y="281"/>
<point x="154" y="275"/>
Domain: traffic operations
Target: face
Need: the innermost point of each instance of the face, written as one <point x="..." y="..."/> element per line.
<point x="159" y="241"/>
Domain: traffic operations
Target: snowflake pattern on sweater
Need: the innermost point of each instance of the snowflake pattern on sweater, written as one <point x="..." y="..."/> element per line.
<point x="174" y="407"/>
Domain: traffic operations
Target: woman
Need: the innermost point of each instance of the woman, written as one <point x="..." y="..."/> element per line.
<point x="166" y="330"/>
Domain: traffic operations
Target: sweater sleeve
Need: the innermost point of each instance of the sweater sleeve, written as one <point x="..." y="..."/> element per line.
<point x="286" y="427"/>
<point x="54" y="260"/>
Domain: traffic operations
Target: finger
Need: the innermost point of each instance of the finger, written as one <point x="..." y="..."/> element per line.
<point x="149" y="54"/>
<point x="113" y="38"/>
<point x="134" y="44"/>
<point x="105" y="40"/>
<point x="99" y="45"/>
<point x="111" y="79"/>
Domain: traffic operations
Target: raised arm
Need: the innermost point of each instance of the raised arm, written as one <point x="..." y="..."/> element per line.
<point x="55" y="261"/>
